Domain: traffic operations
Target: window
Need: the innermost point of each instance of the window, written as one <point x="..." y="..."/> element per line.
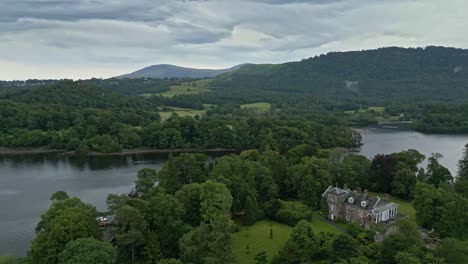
<point x="331" y="207"/>
<point x="351" y="200"/>
<point x="363" y="203"/>
<point x="385" y="215"/>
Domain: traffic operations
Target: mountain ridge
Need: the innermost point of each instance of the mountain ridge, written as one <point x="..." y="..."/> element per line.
<point x="160" y="71"/>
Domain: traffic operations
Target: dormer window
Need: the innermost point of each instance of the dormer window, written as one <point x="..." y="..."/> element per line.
<point x="351" y="200"/>
<point x="363" y="203"/>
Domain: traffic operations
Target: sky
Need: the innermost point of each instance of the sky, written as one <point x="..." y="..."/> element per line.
<point x="80" y="39"/>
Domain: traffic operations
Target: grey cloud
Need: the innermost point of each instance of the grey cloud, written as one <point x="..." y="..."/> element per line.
<point x="284" y="2"/>
<point x="110" y="37"/>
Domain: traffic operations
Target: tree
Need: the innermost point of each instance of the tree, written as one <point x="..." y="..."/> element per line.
<point x="164" y="216"/>
<point x="87" y="250"/>
<point x="411" y="157"/>
<point x="463" y="165"/>
<point x="404" y="181"/>
<point x="189" y="197"/>
<point x="250" y="212"/>
<point x="146" y="180"/>
<point x="184" y="169"/>
<point x="308" y="180"/>
<point x="302" y="246"/>
<point x="170" y="261"/>
<point x="244" y="178"/>
<point x="59" y="196"/>
<point x="353" y="170"/>
<point x="70" y="224"/>
<point x="407" y="238"/>
<point x="461" y="183"/>
<point x="208" y="244"/>
<point x="436" y="174"/>
<point x="406" y="258"/>
<point x="216" y="201"/>
<point x="57" y="208"/>
<point x="453" y="251"/>
<point x="382" y="168"/>
<point x="131" y="227"/>
<point x="344" y="247"/>
<point x="152" y="251"/>
<point x="261" y="257"/>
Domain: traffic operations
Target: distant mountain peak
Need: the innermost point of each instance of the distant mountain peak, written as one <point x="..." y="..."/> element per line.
<point x="160" y="71"/>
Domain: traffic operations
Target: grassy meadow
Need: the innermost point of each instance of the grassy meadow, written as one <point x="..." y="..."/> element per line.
<point x="250" y="240"/>
<point x="186" y="88"/>
<point x="260" y="106"/>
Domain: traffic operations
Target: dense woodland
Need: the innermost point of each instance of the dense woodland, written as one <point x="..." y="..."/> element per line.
<point x="188" y="211"/>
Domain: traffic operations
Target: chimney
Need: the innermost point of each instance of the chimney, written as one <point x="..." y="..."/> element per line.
<point x="385" y="197"/>
<point x="345" y="186"/>
<point x="365" y="194"/>
<point x="358" y="190"/>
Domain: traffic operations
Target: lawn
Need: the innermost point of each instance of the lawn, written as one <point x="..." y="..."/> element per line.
<point x="249" y="241"/>
<point x="195" y="87"/>
<point x="319" y="224"/>
<point x="180" y="112"/>
<point x="253" y="239"/>
<point x="7" y="259"/>
<point x="261" y="106"/>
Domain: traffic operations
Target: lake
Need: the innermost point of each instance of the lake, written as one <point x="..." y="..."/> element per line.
<point x="27" y="181"/>
<point x="384" y="140"/>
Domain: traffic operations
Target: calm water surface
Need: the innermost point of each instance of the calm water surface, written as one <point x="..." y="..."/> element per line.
<point x="27" y="181"/>
<point x="378" y="140"/>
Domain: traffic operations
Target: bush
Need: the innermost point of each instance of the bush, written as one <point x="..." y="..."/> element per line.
<point x="288" y="212"/>
<point x="104" y="144"/>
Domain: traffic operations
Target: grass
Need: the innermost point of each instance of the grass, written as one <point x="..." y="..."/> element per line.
<point x="249" y="241"/>
<point x="8" y="259"/>
<point x="181" y="112"/>
<point x="195" y="87"/>
<point x="209" y="106"/>
<point x="260" y="106"/>
<point x="321" y="226"/>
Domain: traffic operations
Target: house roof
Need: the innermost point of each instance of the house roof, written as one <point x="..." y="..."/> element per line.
<point x="374" y="204"/>
<point x="335" y="190"/>
<point x="383" y="207"/>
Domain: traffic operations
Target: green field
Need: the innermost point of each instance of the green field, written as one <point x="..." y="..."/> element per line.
<point x="180" y="112"/>
<point x="249" y="241"/>
<point x="321" y="226"/>
<point x="7" y="259"/>
<point x="257" y="238"/>
<point x="261" y="106"/>
<point x="195" y="87"/>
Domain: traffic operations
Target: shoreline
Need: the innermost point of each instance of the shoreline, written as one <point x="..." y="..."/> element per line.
<point x="124" y="152"/>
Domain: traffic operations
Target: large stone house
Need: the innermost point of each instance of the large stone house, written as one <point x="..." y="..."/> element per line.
<point x="358" y="207"/>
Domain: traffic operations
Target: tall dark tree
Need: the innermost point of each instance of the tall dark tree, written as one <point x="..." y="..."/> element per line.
<point x="383" y="167"/>
<point x="436" y="174"/>
<point x="250" y="211"/>
<point x="344" y="247"/>
<point x="461" y="182"/>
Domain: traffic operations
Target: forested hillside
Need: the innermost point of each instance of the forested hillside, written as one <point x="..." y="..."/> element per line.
<point x="382" y="75"/>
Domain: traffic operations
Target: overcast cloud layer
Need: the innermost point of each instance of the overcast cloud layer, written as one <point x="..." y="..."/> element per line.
<point x="103" y="38"/>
